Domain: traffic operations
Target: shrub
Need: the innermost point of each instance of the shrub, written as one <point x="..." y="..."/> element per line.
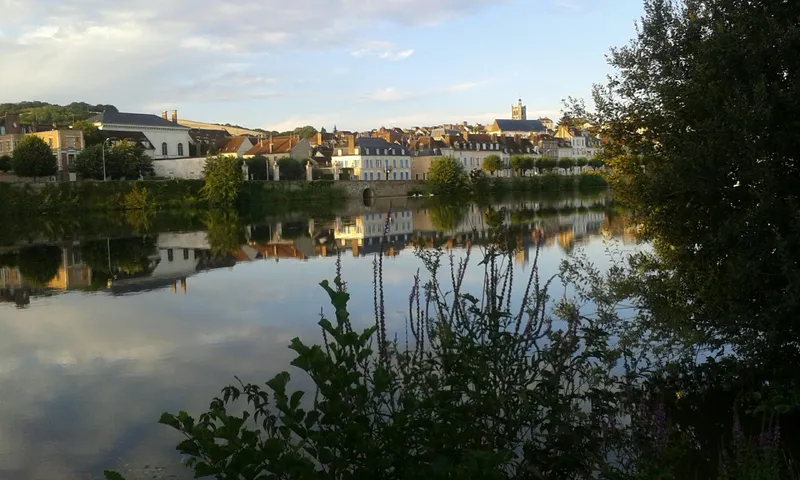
<point x="581" y="162"/>
<point x="138" y="199"/>
<point x="596" y="163"/>
<point x="546" y="163"/>
<point x="291" y="169"/>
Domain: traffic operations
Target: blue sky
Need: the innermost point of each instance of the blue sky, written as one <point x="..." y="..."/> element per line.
<point x="357" y="64"/>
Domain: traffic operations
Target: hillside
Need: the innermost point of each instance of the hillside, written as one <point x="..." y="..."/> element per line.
<point x="46" y="113"/>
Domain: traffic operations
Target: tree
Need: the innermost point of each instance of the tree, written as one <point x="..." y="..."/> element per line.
<point x="566" y="163"/>
<point x="32" y="157"/>
<point x="492" y="163"/>
<point x="291" y="169"/>
<point x="223" y="180"/>
<point x="257" y="168"/>
<point x="89" y="163"/>
<point x="581" y="162"/>
<point x="517" y="163"/>
<point x="5" y="163"/>
<point x="305" y="132"/>
<point x="91" y="134"/>
<point x="123" y="160"/>
<point x="447" y="176"/>
<point x="126" y="159"/>
<point x="546" y="163"/>
<point x="701" y="99"/>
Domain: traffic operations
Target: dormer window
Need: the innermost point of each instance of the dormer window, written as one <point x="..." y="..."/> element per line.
<point x="367" y="151"/>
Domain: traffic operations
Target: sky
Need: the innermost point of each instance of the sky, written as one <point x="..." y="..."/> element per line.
<point x="354" y="64"/>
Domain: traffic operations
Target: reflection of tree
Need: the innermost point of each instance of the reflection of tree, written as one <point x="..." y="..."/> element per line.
<point x="119" y="258"/>
<point x="293" y="230"/>
<point x="39" y="264"/>
<point x="447" y="216"/>
<point x="225" y="232"/>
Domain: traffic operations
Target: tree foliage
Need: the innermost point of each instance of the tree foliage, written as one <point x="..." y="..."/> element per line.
<point x="5" y="163"/>
<point x="91" y="134"/>
<point x="291" y="169"/>
<point x="32" y="157"/>
<point x="696" y="118"/>
<point x="257" y="168"/>
<point x="447" y="176"/>
<point x="546" y="163"/>
<point x="521" y="163"/>
<point x="492" y="163"/>
<point x="124" y="160"/>
<point x="46" y="113"/>
<point x="223" y="180"/>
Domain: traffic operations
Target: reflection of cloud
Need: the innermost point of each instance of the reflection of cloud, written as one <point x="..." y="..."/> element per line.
<point x="87" y="376"/>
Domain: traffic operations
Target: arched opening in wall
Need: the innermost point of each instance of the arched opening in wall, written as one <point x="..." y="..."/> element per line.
<point x="368" y="196"/>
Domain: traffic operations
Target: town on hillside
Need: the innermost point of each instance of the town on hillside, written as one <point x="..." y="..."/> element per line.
<point x="178" y="148"/>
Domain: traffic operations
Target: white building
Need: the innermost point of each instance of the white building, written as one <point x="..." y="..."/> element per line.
<point x="374" y="159"/>
<point x="165" y="138"/>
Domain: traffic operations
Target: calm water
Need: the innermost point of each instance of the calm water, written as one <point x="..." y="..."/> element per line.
<point x="127" y="328"/>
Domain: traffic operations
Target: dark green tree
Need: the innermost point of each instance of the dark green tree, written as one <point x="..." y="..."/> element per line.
<point x="518" y="163"/>
<point x="257" y="168"/>
<point x="5" y="163"/>
<point x="32" y="157"/>
<point x="447" y="176"/>
<point x="126" y="159"/>
<point x="291" y="169"/>
<point x="89" y="164"/>
<point x="305" y="132"/>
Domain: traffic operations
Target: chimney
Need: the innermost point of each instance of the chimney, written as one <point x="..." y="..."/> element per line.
<point x="174" y="116"/>
<point x="351" y="144"/>
<point x="164" y="115"/>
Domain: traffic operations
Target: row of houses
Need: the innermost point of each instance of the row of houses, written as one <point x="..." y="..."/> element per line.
<point x="179" y="151"/>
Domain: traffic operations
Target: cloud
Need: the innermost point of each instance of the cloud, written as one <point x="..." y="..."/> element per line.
<point x="138" y="52"/>
<point x="392" y="94"/>
<point x="382" y="50"/>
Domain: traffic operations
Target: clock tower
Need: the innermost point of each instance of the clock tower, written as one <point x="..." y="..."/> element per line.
<point x="519" y="111"/>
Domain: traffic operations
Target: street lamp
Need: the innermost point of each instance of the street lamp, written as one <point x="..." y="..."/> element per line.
<point x="104" y="157"/>
<point x="387" y="170"/>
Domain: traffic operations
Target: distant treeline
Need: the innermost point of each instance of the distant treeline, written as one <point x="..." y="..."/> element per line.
<point x="47" y="113"/>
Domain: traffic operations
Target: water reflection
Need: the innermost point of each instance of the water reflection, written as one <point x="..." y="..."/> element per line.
<point x="117" y="330"/>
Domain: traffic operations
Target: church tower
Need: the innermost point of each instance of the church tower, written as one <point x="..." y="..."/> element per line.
<point x="519" y="111"/>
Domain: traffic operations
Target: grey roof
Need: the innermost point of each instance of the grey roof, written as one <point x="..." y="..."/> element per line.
<point x="380" y="143"/>
<point x="507" y="125"/>
<point x="114" y="117"/>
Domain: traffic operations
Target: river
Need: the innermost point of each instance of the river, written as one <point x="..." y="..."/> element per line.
<point x="103" y="332"/>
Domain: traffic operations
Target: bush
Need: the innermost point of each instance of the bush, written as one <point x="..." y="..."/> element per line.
<point x="596" y="163"/>
<point x="447" y="176"/>
<point x="257" y="168"/>
<point x="32" y="157"/>
<point x="581" y="162"/>
<point x="546" y="163"/>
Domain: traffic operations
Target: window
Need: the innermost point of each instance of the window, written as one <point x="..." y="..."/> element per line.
<point x="394" y="163"/>
<point x="180" y="149"/>
<point x="371" y="176"/>
<point x="395" y="176"/>
<point x="170" y="255"/>
<point x="365" y="175"/>
<point x="379" y="175"/>
<point x="164" y="149"/>
<point x="186" y="254"/>
<point x="50" y="142"/>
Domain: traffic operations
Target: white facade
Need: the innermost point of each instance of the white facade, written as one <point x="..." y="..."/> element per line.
<point x="473" y="159"/>
<point x="181" y="168"/>
<point x="167" y="142"/>
<point x="376" y="166"/>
